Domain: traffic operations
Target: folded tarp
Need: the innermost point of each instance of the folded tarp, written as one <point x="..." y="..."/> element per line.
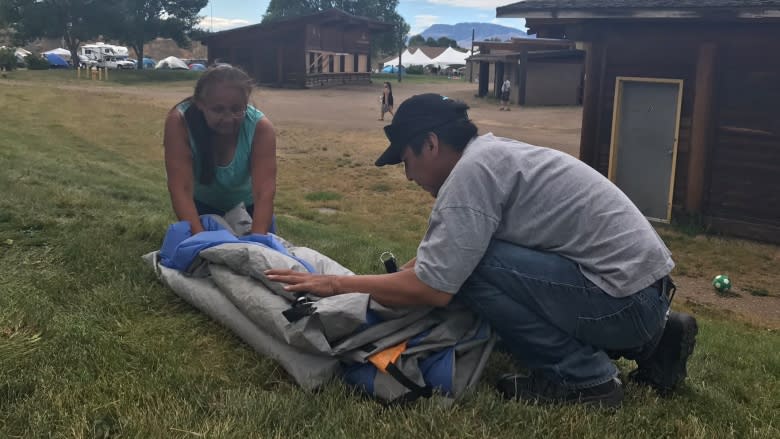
<point x="392" y="354"/>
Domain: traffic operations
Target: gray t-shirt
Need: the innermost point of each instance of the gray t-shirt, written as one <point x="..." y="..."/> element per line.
<point x="542" y="199"/>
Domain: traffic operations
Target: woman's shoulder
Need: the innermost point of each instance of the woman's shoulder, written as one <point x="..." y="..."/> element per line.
<point x="254" y="113"/>
<point x="182" y="106"/>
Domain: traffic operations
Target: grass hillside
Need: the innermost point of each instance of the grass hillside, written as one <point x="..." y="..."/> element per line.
<point x="93" y="346"/>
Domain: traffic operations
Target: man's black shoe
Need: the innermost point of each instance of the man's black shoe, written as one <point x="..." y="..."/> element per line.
<point x="666" y="367"/>
<point x="536" y="388"/>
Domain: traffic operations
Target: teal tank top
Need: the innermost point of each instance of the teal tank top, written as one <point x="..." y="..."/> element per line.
<point x="232" y="184"/>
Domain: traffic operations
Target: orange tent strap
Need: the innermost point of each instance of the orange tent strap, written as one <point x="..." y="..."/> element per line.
<point x="388" y="356"/>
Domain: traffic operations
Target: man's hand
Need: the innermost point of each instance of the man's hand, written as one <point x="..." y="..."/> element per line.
<point x="402" y="288"/>
<point x="318" y="284"/>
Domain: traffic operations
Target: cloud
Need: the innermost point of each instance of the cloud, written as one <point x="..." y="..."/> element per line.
<point x="422" y="22"/>
<point x="220" y="23"/>
<point x="480" y="4"/>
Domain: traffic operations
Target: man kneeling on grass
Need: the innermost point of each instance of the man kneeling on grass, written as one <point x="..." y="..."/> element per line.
<point x="560" y="262"/>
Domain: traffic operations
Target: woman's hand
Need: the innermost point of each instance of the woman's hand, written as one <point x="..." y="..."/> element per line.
<point x="318" y="284"/>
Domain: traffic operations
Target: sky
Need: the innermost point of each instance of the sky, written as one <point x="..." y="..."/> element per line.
<point x="420" y="14"/>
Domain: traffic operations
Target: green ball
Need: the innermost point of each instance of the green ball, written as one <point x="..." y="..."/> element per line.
<point x="722" y="283"/>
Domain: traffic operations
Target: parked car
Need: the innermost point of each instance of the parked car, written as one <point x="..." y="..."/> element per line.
<point x="114" y="62"/>
<point x="85" y="62"/>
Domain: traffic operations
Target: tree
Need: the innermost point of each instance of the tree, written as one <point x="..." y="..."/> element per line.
<point x="417" y="40"/>
<point x="382" y="10"/>
<point x="140" y="21"/>
<point x="75" y="21"/>
<point x="446" y="42"/>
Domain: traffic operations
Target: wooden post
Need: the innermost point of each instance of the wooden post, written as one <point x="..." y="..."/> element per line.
<point x="522" y="77"/>
<point x="279" y="65"/>
<point x="701" y="126"/>
<point x="105" y="76"/>
<point x="595" y="54"/>
<point x="484" y="72"/>
<point x="498" y="79"/>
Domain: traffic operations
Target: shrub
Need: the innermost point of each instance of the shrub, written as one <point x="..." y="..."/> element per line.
<point x="36" y="62"/>
<point x="7" y="59"/>
<point x="415" y="70"/>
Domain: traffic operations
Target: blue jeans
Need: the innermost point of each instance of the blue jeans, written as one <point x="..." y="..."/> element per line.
<point x="554" y="320"/>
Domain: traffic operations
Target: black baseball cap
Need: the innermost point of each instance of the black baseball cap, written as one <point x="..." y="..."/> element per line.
<point x="415" y="116"/>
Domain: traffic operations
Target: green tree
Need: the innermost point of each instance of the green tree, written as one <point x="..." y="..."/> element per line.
<point x="382" y="10"/>
<point x="446" y="42"/>
<point x="417" y="40"/>
<point x="75" y="21"/>
<point x="137" y="22"/>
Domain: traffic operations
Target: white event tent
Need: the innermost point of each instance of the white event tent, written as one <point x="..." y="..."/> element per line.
<point x="416" y="58"/>
<point x="451" y="57"/>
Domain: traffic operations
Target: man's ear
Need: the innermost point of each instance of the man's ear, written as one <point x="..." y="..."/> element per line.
<point x="433" y="142"/>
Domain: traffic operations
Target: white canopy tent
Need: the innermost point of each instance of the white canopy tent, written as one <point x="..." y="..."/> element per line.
<point x="171" y="63"/>
<point x="451" y="57"/>
<point x="408" y="58"/>
<point x="418" y="58"/>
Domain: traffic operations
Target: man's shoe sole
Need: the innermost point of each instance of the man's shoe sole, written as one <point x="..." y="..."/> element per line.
<point x="663" y="382"/>
<point x="612" y="399"/>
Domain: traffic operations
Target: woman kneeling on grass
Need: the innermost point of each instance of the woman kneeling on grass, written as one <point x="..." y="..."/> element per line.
<point x="221" y="151"/>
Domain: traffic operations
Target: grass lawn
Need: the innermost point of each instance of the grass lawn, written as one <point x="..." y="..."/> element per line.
<point x="91" y="345"/>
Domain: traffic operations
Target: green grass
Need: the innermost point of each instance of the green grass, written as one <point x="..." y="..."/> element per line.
<point x="323" y="196"/>
<point x="93" y="346"/>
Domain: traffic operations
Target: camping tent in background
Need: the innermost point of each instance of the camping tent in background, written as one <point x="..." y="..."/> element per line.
<point x="62" y="53"/>
<point x="451" y="57"/>
<point x="21" y="54"/>
<point x="171" y="63"/>
<point x="393" y="69"/>
<point x="56" y="61"/>
<point x="149" y="63"/>
<point x="197" y="67"/>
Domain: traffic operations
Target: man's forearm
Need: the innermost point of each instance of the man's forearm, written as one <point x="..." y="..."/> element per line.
<point x="395" y="289"/>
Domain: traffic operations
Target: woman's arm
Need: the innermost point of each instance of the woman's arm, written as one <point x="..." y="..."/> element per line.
<point x="178" y="166"/>
<point x="263" y="169"/>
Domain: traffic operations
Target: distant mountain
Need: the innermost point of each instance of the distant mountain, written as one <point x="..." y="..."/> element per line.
<point x="461" y="32"/>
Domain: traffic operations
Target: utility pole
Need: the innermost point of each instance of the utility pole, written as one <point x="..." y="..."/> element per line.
<point x="400" y="50"/>
<point x="471" y="63"/>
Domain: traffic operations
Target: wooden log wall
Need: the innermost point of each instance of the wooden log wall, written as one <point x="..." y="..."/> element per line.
<point x="745" y="156"/>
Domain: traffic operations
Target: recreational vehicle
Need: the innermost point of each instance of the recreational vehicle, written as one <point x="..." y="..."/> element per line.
<point x="104" y="56"/>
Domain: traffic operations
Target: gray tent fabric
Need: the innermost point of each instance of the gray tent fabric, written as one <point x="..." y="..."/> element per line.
<point x="330" y="337"/>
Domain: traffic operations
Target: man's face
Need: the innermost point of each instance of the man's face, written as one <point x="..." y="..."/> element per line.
<point x="423" y="169"/>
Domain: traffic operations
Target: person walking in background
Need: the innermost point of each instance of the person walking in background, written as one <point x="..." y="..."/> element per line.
<point x="220" y="151"/>
<point x="505" y="88"/>
<point x="387" y="100"/>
